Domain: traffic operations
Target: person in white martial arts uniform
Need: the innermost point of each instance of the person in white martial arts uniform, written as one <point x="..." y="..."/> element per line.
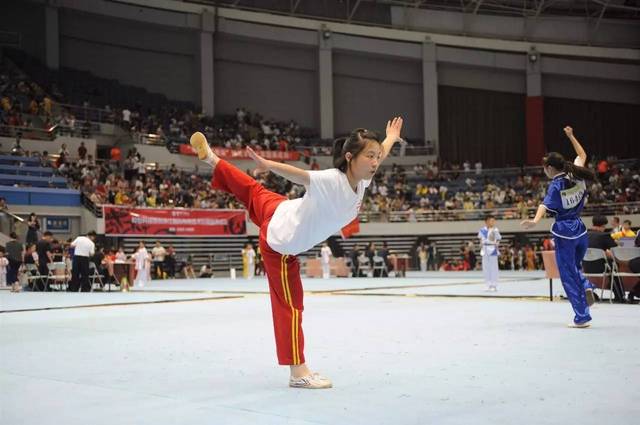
<point x="490" y="237"/>
<point x="325" y="260"/>
<point x="142" y="265"/>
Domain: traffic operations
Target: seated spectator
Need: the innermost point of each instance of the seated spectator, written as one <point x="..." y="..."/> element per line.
<point x="205" y="271"/>
<point x="600" y="239"/>
<point x="625" y="232"/>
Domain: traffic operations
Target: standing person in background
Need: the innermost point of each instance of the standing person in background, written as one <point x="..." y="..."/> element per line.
<point x="422" y="257"/>
<point x="170" y="262"/>
<point x="490" y="238"/>
<point x="248" y="261"/>
<point x="14" y="256"/>
<point x="355" y="262"/>
<point x="4" y="263"/>
<point x="33" y="227"/>
<point x="325" y="260"/>
<point x="473" y="260"/>
<point x="159" y="254"/>
<point x="259" y="269"/>
<point x="44" y="250"/>
<point x="83" y="249"/>
<point x="432" y="257"/>
<point x="143" y="263"/>
<point x="384" y="254"/>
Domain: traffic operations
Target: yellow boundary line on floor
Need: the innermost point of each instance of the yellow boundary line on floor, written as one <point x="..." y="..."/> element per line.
<point x="120" y="304"/>
<point x="348" y="292"/>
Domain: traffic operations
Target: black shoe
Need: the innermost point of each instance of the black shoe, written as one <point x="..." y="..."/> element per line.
<point x="591" y="299"/>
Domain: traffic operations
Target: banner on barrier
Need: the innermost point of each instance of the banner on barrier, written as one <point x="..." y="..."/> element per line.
<point x="127" y="221"/>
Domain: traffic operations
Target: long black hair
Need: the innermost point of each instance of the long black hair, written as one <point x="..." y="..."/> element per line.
<point x="354" y="143"/>
<point x="557" y="161"/>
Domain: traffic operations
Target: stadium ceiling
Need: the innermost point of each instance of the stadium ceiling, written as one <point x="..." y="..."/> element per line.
<point x="378" y="11"/>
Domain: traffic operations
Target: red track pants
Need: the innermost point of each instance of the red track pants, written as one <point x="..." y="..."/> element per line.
<point x="283" y="271"/>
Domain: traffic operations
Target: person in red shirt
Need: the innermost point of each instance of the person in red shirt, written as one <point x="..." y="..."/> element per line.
<point x="116" y="154"/>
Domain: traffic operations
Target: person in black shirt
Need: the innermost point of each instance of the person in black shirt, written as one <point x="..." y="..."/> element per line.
<point x="600" y="239"/>
<point x="634" y="266"/>
<point x="355" y="263"/>
<point x="384" y="254"/>
<point x="45" y="254"/>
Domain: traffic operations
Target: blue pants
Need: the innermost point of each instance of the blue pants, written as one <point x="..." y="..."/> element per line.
<point x="569" y="255"/>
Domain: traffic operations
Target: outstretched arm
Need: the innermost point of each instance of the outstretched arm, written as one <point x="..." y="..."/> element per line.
<point x="582" y="155"/>
<point x="528" y="224"/>
<point x="393" y="135"/>
<point x="289" y="172"/>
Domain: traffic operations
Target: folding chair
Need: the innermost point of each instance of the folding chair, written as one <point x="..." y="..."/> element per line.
<point x="364" y="266"/>
<point x="58" y="275"/>
<point x="622" y="256"/>
<point x="595" y="254"/>
<point x="33" y="275"/>
<point x="96" y="277"/>
<point x="380" y="266"/>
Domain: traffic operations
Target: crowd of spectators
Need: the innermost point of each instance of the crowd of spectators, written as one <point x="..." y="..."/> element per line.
<point x="134" y="181"/>
<point x="433" y="188"/>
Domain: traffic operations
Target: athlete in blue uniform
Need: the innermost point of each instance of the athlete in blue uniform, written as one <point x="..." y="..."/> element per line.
<point x="565" y="199"/>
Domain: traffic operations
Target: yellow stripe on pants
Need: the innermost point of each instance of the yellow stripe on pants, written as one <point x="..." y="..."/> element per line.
<point x="284" y="277"/>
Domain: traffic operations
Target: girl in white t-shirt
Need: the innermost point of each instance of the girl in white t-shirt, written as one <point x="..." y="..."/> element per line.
<point x="4" y="263"/>
<point x="290" y="227"/>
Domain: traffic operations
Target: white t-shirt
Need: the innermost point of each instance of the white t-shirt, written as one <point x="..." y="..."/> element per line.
<point x="158" y="253"/>
<point x="329" y="204"/>
<point x="84" y="247"/>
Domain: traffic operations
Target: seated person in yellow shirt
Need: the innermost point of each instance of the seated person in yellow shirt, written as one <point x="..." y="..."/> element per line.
<point x="626" y="231"/>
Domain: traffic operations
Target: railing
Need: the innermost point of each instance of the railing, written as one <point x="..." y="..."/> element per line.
<point x="149" y="139"/>
<point x="29" y="132"/>
<point x="480" y="214"/>
<point x="95" y="209"/>
<point x="451" y="174"/>
<point x="86" y="113"/>
<point x="8" y="221"/>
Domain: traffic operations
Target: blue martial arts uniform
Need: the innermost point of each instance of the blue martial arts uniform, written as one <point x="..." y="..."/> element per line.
<point x="565" y="199"/>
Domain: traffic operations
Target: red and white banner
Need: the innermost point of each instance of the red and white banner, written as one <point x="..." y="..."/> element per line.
<point x="127" y="221"/>
<point x="225" y="153"/>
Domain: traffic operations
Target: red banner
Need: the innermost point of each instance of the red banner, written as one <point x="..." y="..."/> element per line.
<point x="225" y="153"/>
<point x="126" y="221"/>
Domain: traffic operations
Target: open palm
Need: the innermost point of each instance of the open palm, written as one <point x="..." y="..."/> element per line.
<point x="394" y="127"/>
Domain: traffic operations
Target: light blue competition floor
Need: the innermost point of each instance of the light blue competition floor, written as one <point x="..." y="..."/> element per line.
<point x="432" y="348"/>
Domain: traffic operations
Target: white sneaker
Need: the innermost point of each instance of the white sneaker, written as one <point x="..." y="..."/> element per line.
<point x="494" y="289"/>
<point x="201" y="146"/>
<point x="580" y="325"/>
<point x="314" y="382"/>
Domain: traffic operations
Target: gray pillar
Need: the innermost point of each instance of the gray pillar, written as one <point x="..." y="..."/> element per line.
<point x="207" y="99"/>
<point x="430" y="94"/>
<point x="52" y="37"/>
<point x="534" y="75"/>
<point x="325" y="80"/>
